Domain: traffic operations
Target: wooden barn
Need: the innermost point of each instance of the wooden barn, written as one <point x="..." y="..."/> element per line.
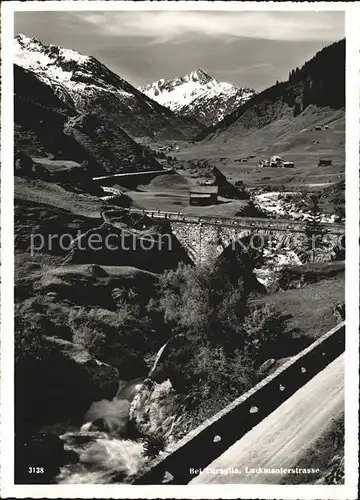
<point x="203" y="195"/>
<point x="325" y="163"/>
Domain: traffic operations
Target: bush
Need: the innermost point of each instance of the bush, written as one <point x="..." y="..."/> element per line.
<point x="200" y="301"/>
<point x="153" y="445"/>
<point x="222" y="342"/>
<point x="263" y="328"/>
<point x="29" y="346"/>
<point x="119" y="338"/>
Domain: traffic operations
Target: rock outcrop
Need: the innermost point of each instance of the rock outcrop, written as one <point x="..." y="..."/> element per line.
<point x="153" y="409"/>
<point x="66" y="379"/>
<point x="124" y="240"/>
<point x="298" y="276"/>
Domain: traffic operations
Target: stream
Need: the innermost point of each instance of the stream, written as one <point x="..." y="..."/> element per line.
<point x="106" y="452"/>
<point x="101" y="444"/>
<point x="278" y="204"/>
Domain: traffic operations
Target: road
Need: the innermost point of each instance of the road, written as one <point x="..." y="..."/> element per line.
<point x="285" y="436"/>
<point x="132" y="174"/>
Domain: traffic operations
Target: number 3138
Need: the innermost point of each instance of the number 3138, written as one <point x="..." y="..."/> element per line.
<point x="36" y="470"/>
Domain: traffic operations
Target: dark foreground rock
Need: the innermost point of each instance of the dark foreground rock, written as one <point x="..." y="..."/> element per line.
<point x="129" y="240"/>
<point x="39" y="457"/>
<point x="57" y="380"/>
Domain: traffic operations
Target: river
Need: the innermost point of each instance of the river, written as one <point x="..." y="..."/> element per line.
<point x="109" y="449"/>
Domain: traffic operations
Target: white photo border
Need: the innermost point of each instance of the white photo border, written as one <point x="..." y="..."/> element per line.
<point x="347" y="491"/>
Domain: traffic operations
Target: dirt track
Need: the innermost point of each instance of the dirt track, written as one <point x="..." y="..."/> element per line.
<point x="284" y="437"/>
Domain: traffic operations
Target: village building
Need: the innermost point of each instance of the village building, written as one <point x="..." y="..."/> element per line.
<point x="276" y="162"/>
<point x="324" y="163"/>
<point x="203" y="195"/>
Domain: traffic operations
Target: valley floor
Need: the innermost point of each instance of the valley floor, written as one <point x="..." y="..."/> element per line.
<point x="292" y="139"/>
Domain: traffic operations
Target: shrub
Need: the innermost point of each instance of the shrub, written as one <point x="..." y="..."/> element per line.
<point x="29" y="346"/>
<point x="223" y="340"/>
<point x="263" y="328"/>
<point x="122" y="323"/>
<point x="153" y="445"/>
<point x="200" y="301"/>
<point x="118" y="338"/>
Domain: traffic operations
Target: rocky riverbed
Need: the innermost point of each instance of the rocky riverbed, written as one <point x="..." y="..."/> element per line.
<point x="289" y="205"/>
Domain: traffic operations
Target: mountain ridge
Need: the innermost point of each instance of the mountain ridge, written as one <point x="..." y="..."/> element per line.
<point x="86" y="84"/>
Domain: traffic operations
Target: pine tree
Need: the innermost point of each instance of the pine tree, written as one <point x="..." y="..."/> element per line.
<point x="313" y="231"/>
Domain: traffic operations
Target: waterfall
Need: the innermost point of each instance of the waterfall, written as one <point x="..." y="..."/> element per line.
<point x="105" y="452"/>
<point x="157" y="358"/>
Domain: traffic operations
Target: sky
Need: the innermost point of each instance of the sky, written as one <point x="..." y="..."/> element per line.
<point x="248" y="49"/>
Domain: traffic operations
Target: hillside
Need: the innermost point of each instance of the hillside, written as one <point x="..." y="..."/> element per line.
<point x="319" y="82"/>
<point x="44" y="125"/>
<point x="198" y="95"/>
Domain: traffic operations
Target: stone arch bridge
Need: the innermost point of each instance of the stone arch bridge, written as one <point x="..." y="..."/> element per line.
<point x="206" y="237"/>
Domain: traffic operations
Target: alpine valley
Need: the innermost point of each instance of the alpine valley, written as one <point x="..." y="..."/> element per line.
<point x="142" y="307"/>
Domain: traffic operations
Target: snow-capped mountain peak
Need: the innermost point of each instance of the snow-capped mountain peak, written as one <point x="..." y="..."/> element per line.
<point x="198" y="95"/>
<point x="35" y="54"/>
<point x="85" y="84"/>
<point x="198" y="75"/>
<point x="74" y="77"/>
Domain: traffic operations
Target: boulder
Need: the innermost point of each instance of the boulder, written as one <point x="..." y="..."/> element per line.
<point x="23" y="164"/>
<point x="153" y="409"/>
<point x="26" y="167"/>
<point x="130" y="365"/>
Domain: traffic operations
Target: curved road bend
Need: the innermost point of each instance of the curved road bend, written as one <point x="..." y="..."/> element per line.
<point x="283" y="437"/>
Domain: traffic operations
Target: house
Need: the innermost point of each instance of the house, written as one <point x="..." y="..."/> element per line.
<point x="275" y="160"/>
<point x="324" y="163"/>
<point x="203" y="195"/>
